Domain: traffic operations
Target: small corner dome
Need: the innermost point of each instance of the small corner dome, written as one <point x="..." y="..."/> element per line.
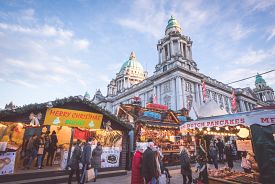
<point x="132" y="63"/>
<point x="172" y="26"/>
<point x="259" y="79"/>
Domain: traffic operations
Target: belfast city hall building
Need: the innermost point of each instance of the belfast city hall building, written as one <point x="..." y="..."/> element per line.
<point x="177" y="82"/>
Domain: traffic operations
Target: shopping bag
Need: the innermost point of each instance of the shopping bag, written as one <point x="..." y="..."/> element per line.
<point x="90" y="174"/>
<point x="162" y="179"/>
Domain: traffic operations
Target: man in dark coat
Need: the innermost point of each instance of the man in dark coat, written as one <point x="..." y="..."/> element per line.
<point x="220" y="146"/>
<point x="96" y="161"/>
<point x="52" y="148"/>
<point x="86" y="158"/>
<point x="74" y="162"/>
<point x="148" y="163"/>
<point x="185" y="166"/>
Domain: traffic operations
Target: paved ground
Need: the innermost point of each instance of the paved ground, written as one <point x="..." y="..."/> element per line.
<point x="176" y="176"/>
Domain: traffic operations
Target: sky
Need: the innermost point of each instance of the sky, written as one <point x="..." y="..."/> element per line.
<point x="54" y="49"/>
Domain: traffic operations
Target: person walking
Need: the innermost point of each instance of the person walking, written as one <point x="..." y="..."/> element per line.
<point x="136" y="177"/>
<point x="148" y="167"/>
<point x="185" y="166"/>
<point x="40" y="152"/>
<point x="47" y="141"/>
<point x="32" y="148"/>
<point x="213" y="152"/>
<point x="96" y="161"/>
<point x="86" y="158"/>
<point x="229" y="156"/>
<point x="74" y="162"/>
<point x="220" y="146"/>
<point x="52" y="148"/>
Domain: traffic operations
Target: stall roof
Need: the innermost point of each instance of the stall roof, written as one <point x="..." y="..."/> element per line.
<point x="12" y="115"/>
<point x="262" y="117"/>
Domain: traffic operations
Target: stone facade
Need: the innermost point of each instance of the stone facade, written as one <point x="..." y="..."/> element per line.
<point x="176" y="81"/>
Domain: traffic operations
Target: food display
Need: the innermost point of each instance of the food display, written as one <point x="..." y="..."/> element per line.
<point x="109" y="138"/>
<point x="231" y="175"/>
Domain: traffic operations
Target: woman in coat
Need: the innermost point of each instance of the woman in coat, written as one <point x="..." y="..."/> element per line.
<point x="74" y="162"/>
<point x="185" y="166"/>
<point x="96" y="156"/>
<point x="136" y="167"/>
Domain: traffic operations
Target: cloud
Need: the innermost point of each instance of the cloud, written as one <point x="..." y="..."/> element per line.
<point x="262" y="5"/>
<point x="239" y="32"/>
<point x="82" y="44"/>
<point x="256" y="56"/>
<point x="42" y="54"/>
<point x="151" y="17"/>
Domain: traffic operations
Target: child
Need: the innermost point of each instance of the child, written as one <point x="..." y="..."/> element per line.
<point x="202" y="169"/>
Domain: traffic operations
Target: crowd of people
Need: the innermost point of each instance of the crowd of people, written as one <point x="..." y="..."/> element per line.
<point x="84" y="158"/>
<point x="148" y="168"/>
<point x="37" y="148"/>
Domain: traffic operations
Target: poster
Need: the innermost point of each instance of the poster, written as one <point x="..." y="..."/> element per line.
<point x="7" y="162"/>
<point x="110" y="157"/>
<point x="244" y="145"/>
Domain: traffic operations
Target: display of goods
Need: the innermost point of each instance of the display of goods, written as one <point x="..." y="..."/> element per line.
<point x="223" y="172"/>
<point x="109" y="138"/>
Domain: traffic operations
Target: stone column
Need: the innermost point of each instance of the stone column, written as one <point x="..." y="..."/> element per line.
<point x="242" y="106"/>
<point x="172" y="48"/>
<point x="184" y="100"/>
<point x="168" y="50"/>
<point x="159" y="94"/>
<point x="201" y="95"/>
<point x="145" y="98"/>
<point x="186" y="51"/>
<point x="197" y="95"/>
<point x="160" y="56"/>
<point x="190" y="52"/>
<point x="173" y="97"/>
<point x="179" y="93"/>
<point x="178" y="51"/>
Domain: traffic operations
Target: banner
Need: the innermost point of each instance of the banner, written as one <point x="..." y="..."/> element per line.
<point x="110" y="157"/>
<point x="244" y="145"/>
<point x="72" y="118"/>
<point x="234" y="102"/>
<point x="246" y="119"/>
<point x="7" y="162"/>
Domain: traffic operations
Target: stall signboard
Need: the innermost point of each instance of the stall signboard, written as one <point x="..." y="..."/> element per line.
<point x="152" y="114"/>
<point x="157" y="106"/>
<point x="110" y="157"/>
<point x="7" y="162"/>
<point x="245" y="119"/>
<point x="244" y="145"/>
<point x="72" y="118"/>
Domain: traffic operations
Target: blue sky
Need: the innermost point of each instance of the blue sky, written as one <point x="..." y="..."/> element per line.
<point x="53" y="49"/>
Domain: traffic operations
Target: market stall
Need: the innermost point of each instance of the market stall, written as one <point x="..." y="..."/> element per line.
<point x="161" y="125"/>
<point x="252" y="132"/>
<point x="71" y="118"/>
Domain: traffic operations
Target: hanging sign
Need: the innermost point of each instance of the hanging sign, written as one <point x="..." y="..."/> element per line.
<point x="244" y="145"/>
<point x="263" y="119"/>
<point x="72" y="118"/>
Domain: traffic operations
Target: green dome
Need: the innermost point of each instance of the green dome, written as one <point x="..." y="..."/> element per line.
<point x="259" y="79"/>
<point x="172" y="22"/>
<point x="131" y="63"/>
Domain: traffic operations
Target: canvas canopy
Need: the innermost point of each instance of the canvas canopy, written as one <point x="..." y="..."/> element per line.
<point x="260" y="117"/>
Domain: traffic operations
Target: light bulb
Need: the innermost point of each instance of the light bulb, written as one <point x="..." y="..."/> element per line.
<point x="238" y="127"/>
<point x="218" y="128"/>
<point x="208" y="129"/>
<point x="226" y="128"/>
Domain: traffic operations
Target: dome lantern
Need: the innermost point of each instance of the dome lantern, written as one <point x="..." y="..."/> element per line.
<point x="172" y="26"/>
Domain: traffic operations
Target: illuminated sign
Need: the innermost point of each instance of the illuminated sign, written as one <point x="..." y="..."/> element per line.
<point x="72" y="118"/>
<point x="152" y="114"/>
